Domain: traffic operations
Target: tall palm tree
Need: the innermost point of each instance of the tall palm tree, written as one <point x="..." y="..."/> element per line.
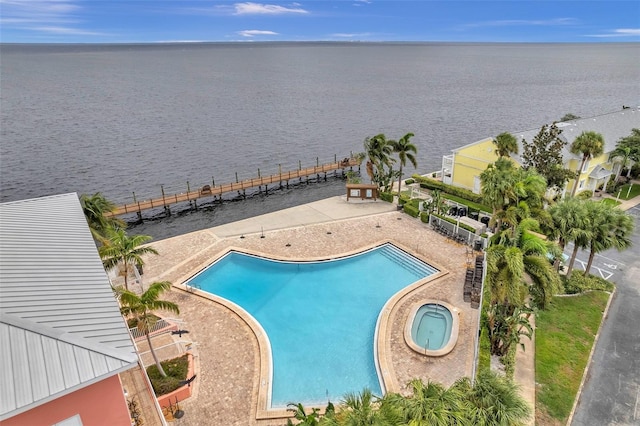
<point x="589" y="144"/>
<point x="622" y="155"/>
<point x="141" y="308"/>
<point x="496" y="181"/>
<point x="405" y="150"/>
<point x="627" y="149"/>
<point x="94" y="208"/>
<point x="123" y="252"/>
<point x="569" y="220"/>
<point x="378" y="150"/>
<point x="505" y="144"/>
<point x="520" y="252"/>
<point x="610" y="227"/>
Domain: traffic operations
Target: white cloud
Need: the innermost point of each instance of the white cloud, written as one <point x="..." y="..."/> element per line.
<point x="524" y="22"/>
<point x="350" y="35"/>
<point x="65" y="31"/>
<point x="43" y="16"/>
<point x="266" y="9"/>
<point x="251" y="33"/>
<point x="38" y="10"/>
<point x="620" y="32"/>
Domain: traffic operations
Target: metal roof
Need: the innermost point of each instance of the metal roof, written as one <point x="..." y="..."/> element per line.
<point x="612" y="127"/>
<point x="60" y="325"/>
<point x="600" y="172"/>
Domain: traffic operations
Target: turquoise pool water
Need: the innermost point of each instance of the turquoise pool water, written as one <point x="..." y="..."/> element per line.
<point x="431" y="327"/>
<point x="320" y="317"/>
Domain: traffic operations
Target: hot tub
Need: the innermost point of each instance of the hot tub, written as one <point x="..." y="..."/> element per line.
<point x="432" y="328"/>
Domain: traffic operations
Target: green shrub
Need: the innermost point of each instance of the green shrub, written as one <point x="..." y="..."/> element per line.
<point x="585" y="195"/>
<point x="411" y="209"/>
<point x="509" y="361"/>
<point x="424" y="217"/>
<point x="429" y="183"/>
<point x="409" y="181"/>
<point x="579" y="283"/>
<point x="386" y="196"/>
<point x="403" y="198"/>
<point x="176" y="369"/>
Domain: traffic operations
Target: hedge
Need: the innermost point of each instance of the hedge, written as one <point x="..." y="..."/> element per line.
<point x="429" y="183"/>
<point x="386" y="196"/>
<point x="411" y="210"/>
<point x="424" y="217"/>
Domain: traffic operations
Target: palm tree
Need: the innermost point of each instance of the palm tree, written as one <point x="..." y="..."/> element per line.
<point x="493" y="400"/>
<point x="94" y="208"/>
<point x="360" y="409"/>
<point x="496" y="182"/>
<point x="589" y="144"/>
<point x="610" y="227"/>
<point x="505" y="144"/>
<point x="627" y="149"/>
<point x="141" y="307"/>
<point x="521" y="253"/>
<point x="378" y="150"/>
<point x="405" y="150"/>
<point x="431" y="404"/>
<point x="622" y="155"/>
<point x="123" y="251"/>
<point x="569" y="221"/>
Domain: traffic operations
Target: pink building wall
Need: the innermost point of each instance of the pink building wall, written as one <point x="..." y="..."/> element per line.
<point x="102" y="403"/>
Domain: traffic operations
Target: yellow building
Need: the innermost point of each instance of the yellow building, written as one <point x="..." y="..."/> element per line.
<point x="463" y="167"/>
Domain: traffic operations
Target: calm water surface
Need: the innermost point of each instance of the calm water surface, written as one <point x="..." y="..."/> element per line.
<point x="118" y="119"/>
<point x="320" y="317"/>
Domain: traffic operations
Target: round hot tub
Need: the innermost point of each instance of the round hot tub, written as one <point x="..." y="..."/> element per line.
<point x="432" y="328"/>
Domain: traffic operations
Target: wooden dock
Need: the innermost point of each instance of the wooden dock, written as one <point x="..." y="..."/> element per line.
<point x="217" y="191"/>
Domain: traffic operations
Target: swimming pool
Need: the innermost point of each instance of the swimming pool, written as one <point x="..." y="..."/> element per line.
<point x="320" y="317"/>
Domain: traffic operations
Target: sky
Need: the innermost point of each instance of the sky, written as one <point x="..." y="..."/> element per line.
<point x="154" y="21"/>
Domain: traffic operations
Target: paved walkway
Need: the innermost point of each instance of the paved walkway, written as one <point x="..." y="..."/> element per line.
<point x="228" y="355"/>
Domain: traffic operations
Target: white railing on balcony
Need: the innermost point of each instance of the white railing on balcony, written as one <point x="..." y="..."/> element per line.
<point x="157" y="326"/>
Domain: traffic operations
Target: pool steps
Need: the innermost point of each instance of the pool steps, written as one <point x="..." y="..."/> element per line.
<point x="410" y="263"/>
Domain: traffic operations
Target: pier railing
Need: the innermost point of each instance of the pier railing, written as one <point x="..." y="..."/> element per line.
<point x="218" y="190"/>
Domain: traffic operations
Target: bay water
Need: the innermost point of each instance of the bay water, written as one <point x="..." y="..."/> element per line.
<point x="119" y="119"/>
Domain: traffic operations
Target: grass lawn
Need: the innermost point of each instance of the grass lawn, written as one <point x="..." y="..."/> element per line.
<point x="564" y="337"/>
<point x="610" y="201"/>
<point x="624" y="189"/>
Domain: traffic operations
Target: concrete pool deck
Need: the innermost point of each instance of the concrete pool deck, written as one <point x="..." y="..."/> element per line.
<point x="226" y="390"/>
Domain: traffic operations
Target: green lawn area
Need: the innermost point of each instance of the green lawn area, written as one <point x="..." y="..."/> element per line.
<point x="564" y="336"/>
<point x="611" y="201"/>
<point x="624" y="189"/>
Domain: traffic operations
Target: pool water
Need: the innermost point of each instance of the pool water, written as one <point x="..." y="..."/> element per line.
<point x="432" y="326"/>
<point x="320" y="317"/>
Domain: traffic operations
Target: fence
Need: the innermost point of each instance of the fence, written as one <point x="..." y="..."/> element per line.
<point x="159" y="325"/>
<point x="457" y="233"/>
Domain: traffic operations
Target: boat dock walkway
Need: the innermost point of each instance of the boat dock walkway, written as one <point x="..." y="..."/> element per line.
<point x="217" y="191"/>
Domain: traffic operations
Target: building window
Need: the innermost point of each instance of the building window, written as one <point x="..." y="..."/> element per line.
<point x="585" y="167"/>
<point x="581" y="184"/>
